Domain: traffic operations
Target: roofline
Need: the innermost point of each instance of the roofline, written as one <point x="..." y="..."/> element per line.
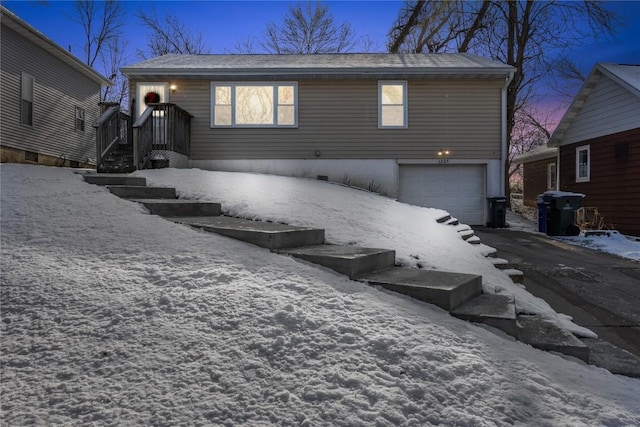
<point x="312" y="72"/>
<point x="24" y="29"/>
<point x="537" y="154"/>
<point x="604" y="67"/>
<point x="598" y="71"/>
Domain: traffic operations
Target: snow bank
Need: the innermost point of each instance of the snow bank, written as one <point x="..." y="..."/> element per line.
<point x="355" y="217"/>
<point x="114" y="317"/>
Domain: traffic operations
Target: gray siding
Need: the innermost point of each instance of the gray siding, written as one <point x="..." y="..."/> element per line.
<point x="58" y="89"/>
<point x="340" y="119"/>
<point x="609" y="109"/>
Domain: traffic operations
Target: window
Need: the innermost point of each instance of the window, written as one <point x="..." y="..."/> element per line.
<point x="552" y="176"/>
<point x="26" y="112"/>
<point x="79" y="119"/>
<point x="254" y="104"/>
<point x="583" y="163"/>
<point x="30" y="156"/>
<point x="392" y="104"/>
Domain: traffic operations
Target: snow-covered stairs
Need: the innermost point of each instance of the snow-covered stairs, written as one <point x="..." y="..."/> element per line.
<point x="460" y="294"/>
<point x="268" y="235"/>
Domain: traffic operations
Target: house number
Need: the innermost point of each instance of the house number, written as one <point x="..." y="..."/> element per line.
<point x="443" y="161"/>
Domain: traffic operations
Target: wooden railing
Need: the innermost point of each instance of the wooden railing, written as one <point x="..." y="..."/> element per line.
<point x="112" y="129"/>
<point x="164" y="127"/>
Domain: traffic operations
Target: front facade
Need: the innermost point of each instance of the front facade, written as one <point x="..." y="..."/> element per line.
<point x="427" y="129"/>
<point x="599" y="146"/>
<point x="49" y="100"/>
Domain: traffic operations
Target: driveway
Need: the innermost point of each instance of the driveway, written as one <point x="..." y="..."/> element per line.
<point x="600" y="291"/>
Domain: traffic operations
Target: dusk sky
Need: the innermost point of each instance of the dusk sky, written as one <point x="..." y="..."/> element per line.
<point x="227" y="23"/>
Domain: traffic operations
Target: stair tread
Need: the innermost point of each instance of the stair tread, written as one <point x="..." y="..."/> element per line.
<point x="338" y="251"/>
<point x="546" y="335"/>
<point x="420" y="278"/>
<point x="239" y="224"/>
<point x="488" y="305"/>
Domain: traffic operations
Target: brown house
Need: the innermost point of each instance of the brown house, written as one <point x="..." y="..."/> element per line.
<point x="539" y="172"/>
<point x="599" y="145"/>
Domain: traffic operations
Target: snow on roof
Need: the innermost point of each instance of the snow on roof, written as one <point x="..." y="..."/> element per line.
<point x="11" y="20"/>
<point x="538" y="153"/>
<point x="350" y="63"/>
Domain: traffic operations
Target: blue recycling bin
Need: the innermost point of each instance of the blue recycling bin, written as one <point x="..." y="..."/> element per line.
<point x="543" y="207"/>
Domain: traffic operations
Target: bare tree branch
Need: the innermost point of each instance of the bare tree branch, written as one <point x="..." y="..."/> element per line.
<point x="169" y="35"/>
<point x="311" y="30"/>
<point x="100" y="25"/>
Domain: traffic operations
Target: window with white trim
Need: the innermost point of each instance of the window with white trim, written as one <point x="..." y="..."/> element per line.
<point x="583" y="163"/>
<point x="392" y="104"/>
<point x="552" y="176"/>
<point x="79" y="123"/>
<point x="26" y="99"/>
<point x="253" y="104"/>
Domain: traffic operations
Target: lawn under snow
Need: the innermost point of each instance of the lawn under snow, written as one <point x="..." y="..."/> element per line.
<point x="355" y="217"/>
<point x="114" y="317"/>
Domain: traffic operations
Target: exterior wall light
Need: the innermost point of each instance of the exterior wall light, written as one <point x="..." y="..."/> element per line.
<point x="443" y="152"/>
<point x="173" y="88"/>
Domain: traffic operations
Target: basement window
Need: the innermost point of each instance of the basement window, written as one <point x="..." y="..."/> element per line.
<point x="30" y="156"/>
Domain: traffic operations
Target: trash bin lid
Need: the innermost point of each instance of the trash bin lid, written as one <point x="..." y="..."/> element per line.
<point x="559" y="194"/>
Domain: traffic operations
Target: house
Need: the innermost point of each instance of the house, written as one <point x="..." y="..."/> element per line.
<point x="598" y="142"/>
<point x="539" y="172"/>
<point x="49" y="99"/>
<point x="426" y="129"/>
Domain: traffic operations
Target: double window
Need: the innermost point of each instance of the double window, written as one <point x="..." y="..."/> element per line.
<point x="583" y="163"/>
<point x="392" y="104"/>
<point x="254" y="104"/>
<point x="26" y="106"/>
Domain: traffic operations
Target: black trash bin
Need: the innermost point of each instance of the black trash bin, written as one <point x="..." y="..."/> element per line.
<point x="561" y="208"/>
<point x="497" y="212"/>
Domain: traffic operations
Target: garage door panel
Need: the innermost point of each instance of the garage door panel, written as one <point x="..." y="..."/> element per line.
<point x="458" y="189"/>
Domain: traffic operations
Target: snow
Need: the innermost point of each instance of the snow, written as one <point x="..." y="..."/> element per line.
<point x="609" y="241"/>
<point x="111" y="316"/>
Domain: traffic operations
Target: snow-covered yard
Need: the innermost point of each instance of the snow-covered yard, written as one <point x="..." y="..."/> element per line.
<point x="114" y="317"/>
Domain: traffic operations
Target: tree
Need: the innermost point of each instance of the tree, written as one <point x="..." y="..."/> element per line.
<point x="523" y="34"/>
<point x="113" y="58"/>
<point x="309" y="30"/>
<point x="169" y="35"/>
<point x="102" y="23"/>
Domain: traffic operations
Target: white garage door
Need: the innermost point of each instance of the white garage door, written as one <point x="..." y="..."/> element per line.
<point x="458" y="189"/>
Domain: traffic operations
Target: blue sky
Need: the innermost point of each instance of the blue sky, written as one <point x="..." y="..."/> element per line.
<point x="226" y="23"/>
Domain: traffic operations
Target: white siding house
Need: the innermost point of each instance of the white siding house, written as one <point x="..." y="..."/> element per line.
<point x="49" y="99"/>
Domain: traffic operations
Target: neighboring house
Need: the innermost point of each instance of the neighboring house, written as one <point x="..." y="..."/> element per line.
<point x="599" y="145"/>
<point x="539" y="172"/>
<point x="49" y="100"/>
<point x="427" y="129"/>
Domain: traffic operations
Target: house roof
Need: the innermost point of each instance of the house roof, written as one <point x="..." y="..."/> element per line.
<point x="539" y="153"/>
<point x="350" y="65"/>
<point x="628" y="76"/>
<point x="13" y="22"/>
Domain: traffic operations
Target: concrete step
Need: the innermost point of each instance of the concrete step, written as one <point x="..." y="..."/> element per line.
<point x="115" y="179"/>
<point x="180" y="207"/>
<point x="516" y="276"/>
<point x="350" y="260"/>
<point x="137" y="192"/>
<point x="444" y="289"/>
<point x="498" y="311"/>
<point x="264" y="234"/>
<point x="545" y="335"/>
<point x="500" y="263"/>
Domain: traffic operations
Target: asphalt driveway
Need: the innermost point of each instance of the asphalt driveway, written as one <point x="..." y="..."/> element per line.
<point x="600" y="291"/>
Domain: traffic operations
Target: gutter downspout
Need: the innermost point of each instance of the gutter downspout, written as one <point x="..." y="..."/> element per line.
<point x="503" y="132"/>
